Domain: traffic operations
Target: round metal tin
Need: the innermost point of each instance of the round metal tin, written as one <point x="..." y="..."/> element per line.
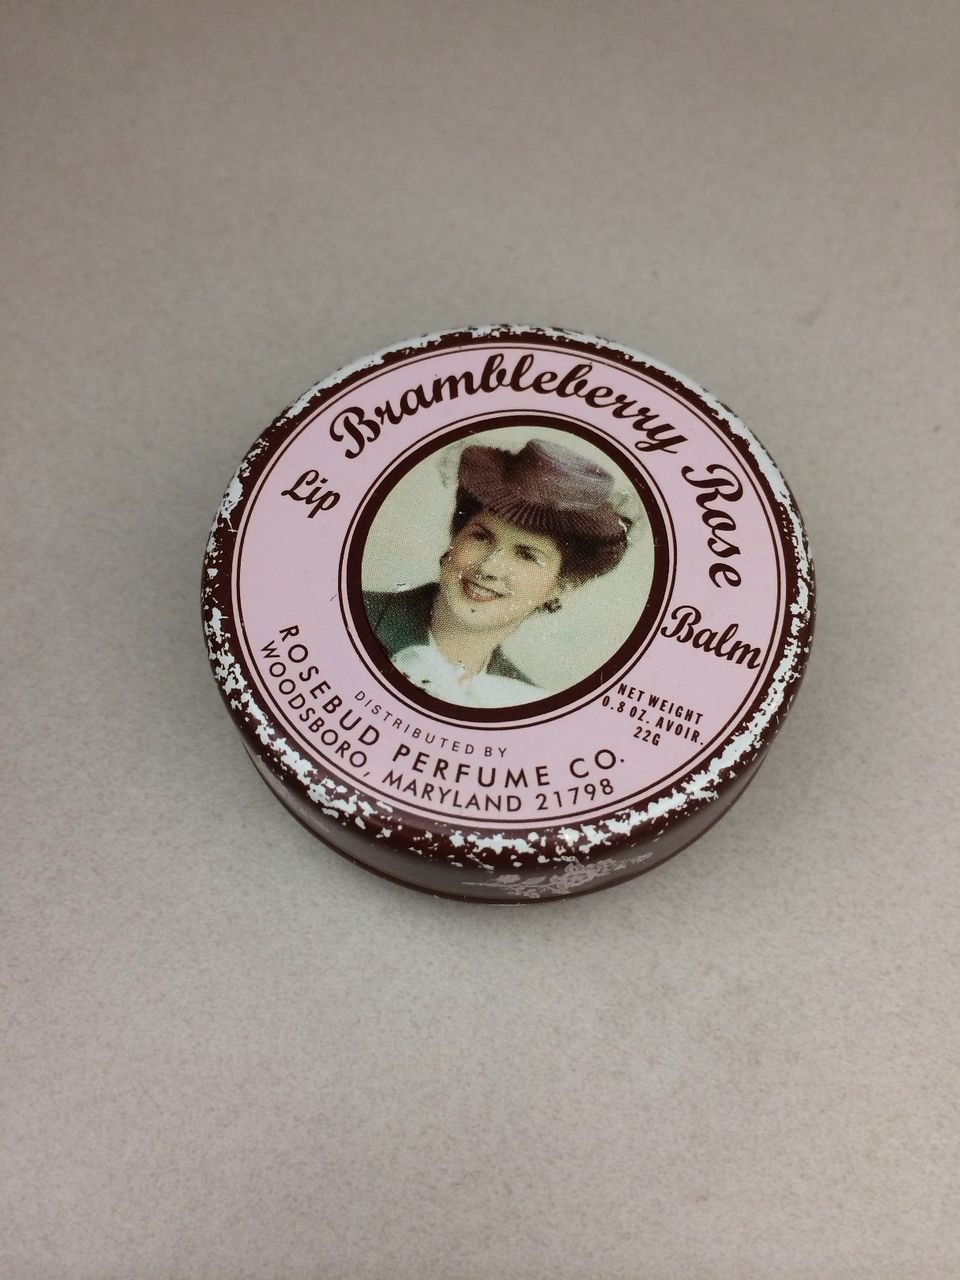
<point x="507" y="614"/>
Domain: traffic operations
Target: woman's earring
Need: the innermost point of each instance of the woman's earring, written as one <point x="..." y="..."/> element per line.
<point x="553" y="606"/>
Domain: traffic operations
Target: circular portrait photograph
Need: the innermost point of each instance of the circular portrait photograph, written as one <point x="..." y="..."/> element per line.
<point x="507" y="567"/>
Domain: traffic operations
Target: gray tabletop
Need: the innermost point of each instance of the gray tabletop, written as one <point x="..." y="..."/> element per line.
<point x="229" y="1053"/>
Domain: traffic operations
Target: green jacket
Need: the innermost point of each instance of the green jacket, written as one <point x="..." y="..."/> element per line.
<point x="402" y="618"/>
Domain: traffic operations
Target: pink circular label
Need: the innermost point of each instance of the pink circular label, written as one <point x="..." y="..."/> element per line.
<point x="509" y="582"/>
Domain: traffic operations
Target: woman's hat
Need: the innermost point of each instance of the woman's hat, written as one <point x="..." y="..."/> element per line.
<point x="544" y="488"/>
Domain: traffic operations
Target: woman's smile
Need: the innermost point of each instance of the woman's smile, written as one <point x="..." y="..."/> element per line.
<point x="480" y="594"/>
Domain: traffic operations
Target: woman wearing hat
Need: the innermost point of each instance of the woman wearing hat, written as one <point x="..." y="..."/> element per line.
<point x="527" y="527"/>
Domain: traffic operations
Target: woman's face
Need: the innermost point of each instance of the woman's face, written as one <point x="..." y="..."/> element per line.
<point x="496" y="574"/>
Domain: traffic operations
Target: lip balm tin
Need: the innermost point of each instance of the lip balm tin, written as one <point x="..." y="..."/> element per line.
<point x="507" y="614"/>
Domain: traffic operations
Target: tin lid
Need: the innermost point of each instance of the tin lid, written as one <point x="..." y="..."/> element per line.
<point x="507" y="613"/>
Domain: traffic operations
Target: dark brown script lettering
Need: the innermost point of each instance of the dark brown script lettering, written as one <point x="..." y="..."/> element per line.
<point x="358" y="427"/>
<point x="683" y="628"/>
<point x="719" y="484"/>
<point x="308" y="488"/>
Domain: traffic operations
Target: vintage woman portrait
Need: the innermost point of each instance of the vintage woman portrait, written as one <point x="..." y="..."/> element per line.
<point x="520" y="525"/>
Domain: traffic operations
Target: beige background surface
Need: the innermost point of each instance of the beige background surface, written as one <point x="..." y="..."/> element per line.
<point x="411" y="532"/>
<point x="229" y="1053"/>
